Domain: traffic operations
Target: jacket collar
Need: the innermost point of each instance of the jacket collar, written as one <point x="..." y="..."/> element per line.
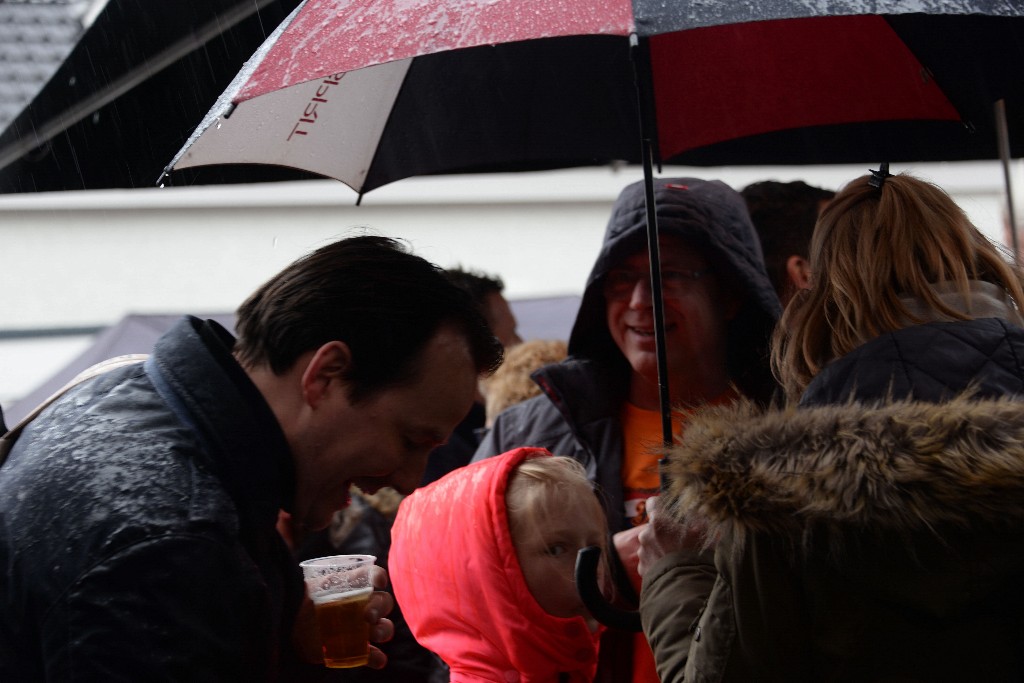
<point x="983" y="300"/>
<point x="583" y="390"/>
<point x="247" y="448"/>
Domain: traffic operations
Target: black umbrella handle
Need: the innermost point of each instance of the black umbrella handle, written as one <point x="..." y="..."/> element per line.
<point x="594" y="600"/>
<point x="590" y="592"/>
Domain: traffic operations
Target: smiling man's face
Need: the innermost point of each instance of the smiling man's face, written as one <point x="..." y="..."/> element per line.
<point x="696" y="313"/>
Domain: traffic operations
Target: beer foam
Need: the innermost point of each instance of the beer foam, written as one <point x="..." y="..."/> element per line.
<point x="340" y="596"/>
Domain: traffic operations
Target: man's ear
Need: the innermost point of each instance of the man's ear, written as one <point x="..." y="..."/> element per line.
<point x="799" y="271"/>
<point x="325" y="371"/>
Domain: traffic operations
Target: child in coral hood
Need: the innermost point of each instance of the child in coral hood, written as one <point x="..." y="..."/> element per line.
<point x="482" y="565"/>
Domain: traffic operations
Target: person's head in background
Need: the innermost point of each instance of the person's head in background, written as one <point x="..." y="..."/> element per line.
<point x="511" y="383"/>
<point x="784" y="215"/>
<point x="885" y="258"/>
<point x="487" y="292"/>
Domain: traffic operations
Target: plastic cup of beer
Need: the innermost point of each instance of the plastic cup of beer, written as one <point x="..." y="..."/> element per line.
<point x="340" y="588"/>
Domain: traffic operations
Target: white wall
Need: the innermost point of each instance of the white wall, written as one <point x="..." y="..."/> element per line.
<point x="88" y="258"/>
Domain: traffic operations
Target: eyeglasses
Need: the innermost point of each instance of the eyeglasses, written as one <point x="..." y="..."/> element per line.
<point x="675" y="282"/>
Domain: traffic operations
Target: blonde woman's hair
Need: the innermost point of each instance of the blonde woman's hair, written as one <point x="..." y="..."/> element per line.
<point x="511" y="383"/>
<point x="545" y="487"/>
<point x="871" y="246"/>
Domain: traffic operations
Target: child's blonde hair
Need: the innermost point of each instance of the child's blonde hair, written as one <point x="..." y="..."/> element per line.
<point x="545" y="487"/>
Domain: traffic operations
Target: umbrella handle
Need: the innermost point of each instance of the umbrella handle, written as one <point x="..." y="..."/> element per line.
<point x="589" y="591"/>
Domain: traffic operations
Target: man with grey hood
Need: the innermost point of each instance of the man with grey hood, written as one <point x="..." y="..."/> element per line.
<point x="601" y="404"/>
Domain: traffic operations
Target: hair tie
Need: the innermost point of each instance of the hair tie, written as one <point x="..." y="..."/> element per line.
<point x="878" y="177"/>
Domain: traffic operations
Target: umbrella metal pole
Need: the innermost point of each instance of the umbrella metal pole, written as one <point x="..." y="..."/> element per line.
<point x="587" y="558"/>
<point x="1003" y="137"/>
<point x="654" y="251"/>
<point x="657" y="297"/>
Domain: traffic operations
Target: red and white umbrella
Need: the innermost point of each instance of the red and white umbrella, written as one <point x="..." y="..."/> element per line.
<point x="369" y="92"/>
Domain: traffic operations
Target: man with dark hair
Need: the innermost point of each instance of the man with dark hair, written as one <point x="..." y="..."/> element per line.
<point x="364" y="526"/>
<point x="138" y="512"/>
<point x="487" y="291"/>
<point x="784" y="215"/>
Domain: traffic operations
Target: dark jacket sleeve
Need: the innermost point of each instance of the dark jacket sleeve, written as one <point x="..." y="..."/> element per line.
<point x="175" y="608"/>
<point x="675" y="591"/>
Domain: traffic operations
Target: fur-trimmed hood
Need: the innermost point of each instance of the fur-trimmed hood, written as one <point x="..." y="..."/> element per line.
<point x="899" y="466"/>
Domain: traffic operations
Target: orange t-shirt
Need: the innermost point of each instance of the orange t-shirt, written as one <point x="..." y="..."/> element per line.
<point x="642" y="449"/>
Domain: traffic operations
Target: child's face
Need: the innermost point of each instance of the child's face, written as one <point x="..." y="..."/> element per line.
<point x="547" y="554"/>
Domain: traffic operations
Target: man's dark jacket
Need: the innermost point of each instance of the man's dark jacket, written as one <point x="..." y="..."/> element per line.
<point x="137" y="526"/>
<point x="578" y="413"/>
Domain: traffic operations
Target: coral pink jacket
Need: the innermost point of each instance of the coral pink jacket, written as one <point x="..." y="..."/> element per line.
<point x="456" y="577"/>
